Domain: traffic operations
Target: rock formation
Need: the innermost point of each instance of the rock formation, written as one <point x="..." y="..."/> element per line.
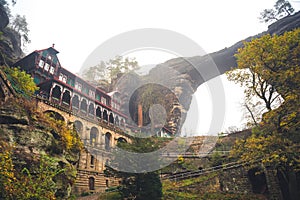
<point x="10" y="41"/>
<point x="184" y="75"/>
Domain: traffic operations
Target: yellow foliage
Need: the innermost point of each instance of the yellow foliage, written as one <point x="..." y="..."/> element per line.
<point x="275" y="60"/>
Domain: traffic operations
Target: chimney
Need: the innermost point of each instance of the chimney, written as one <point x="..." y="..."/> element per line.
<point x="140" y="115"/>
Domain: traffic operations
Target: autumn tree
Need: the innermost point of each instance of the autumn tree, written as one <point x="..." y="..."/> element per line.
<point x="22" y="81"/>
<point x="281" y="9"/>
<point x="275" y="59"/>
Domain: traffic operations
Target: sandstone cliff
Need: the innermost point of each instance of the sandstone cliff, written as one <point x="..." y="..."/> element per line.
<point x="10" y="41"/>
<point x="184" y="75"/>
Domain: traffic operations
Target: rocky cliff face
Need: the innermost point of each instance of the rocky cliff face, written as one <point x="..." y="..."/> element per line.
<point x="184" y="75"/>
<point x="10" y="41"/>
<point x="30" y="138"/>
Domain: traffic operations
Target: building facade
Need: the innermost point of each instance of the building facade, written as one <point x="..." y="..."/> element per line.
<point x="94" y="113"/>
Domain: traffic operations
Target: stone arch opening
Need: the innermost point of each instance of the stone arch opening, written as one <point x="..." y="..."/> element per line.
<point x="258" y="181"/>
<point x="75" y="102"/>
<point x="111" y="118"/>
<point x="122" y="140"/>
<point x="83" y="106"/>
<point x="98" y="112"/>
<point x="66" y="97"/>
<point x="56" y="92"/>
<point x="93" y="136"/>
<point x="78" y="126"/>
<point x="105" y="115"/>
<point x="91" y="109"/>
<point x="107" y="141"/>
<point x="54" y="115"/>
<point x="91" y="183"/>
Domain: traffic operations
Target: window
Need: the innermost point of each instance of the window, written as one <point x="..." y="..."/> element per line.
<point x="92" y="160"/>
<point x="47" y="66"/>
<point x="103" y="100"/>
<point x="98" y="97"/>
<point x="60" y="76"/>
<point x="52" y="70"/>
<point x="49" y="57"/>
<point x="92" y="94"/>
<point x="86" y="91"/>
<point x="70" y="82"/>
<point x="41" y="63"/>
<point x="64" y="79"/>
<point x="78" y="86"/>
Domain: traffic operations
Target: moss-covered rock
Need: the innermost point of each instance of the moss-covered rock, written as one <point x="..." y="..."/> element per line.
<point x="30" y="138"/>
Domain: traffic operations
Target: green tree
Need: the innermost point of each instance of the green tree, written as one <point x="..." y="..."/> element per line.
<point x="36" y="183"/>
<point x="281" y="9"/>
<point x="276" y="140"/>
<point x="110" y="70"/>
<point x="20" y="25"/>
<point x="140" y="186"/>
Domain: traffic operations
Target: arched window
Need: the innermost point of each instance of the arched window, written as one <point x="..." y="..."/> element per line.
<point x="78" y="127"/>
<point x="105" y="115"/>
<point x="111" y="118"/>
<point x="56" y="92"/>
<point x="93" y="136"/>
<point x="83" y="106"/>
<point x="107" y="141"/>
<point x="91" y="109"/>
<point x="66" y="97"/>
<point x="75" y="102"/>
<point x="98" y="112"/>
<point x="117" y="122"/>
<point x="122" y="123"/>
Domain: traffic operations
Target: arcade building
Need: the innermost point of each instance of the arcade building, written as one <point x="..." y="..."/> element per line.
<point x="95" y="114"/>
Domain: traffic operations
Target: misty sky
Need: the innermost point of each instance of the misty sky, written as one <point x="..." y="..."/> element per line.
<point x="78" y="27"/>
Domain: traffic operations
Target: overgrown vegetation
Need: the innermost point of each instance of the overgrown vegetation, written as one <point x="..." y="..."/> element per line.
<point x="21" y="81"/>
<point x="202" y="188"/>
<point x="34" y="183"/>
<point x="276" y="138"/>
<point x="42" y="175"/>
<point x="137" y="186"/>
